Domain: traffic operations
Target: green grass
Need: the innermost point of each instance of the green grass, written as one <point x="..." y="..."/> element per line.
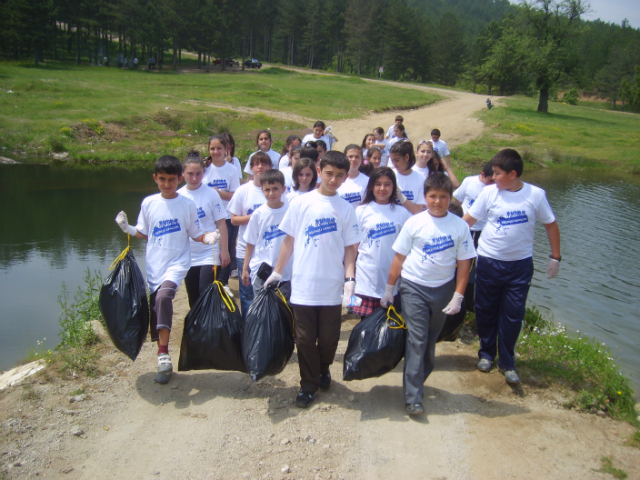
<point x="606" y="466"/>
<point x="567" y="136"/>
<point x="99" y="113"/>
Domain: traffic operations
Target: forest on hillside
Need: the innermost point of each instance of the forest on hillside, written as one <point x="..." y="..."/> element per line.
<point x="540" y="47"/>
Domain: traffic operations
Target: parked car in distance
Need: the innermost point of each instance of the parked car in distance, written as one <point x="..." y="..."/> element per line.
<point x="228" y="62"/>
<point x="253" y="63"/>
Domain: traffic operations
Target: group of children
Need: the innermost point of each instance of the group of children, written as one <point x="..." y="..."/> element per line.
<point x="329" y="226"/>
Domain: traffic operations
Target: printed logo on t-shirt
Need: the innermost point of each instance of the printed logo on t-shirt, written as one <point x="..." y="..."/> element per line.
<point x="471" y="202"/>
<point x="219" y="183"/>
<point x="201" y="213"/>
<point x="271" y="234"/>
<point x="352" y="197"/>
<point x="164" y="228"/>
<point x="321" y="226"/>
<point x="380" y="230"/>
<point x="512" y="218"/>
<point x="408" y="194"/>
<point x="437" y="244"/>
<point x="218" y="207"/>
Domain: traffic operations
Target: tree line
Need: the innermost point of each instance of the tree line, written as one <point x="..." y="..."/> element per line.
<point x="492" y="46"/>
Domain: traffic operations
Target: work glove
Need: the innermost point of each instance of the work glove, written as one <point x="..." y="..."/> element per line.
<point x="211" y="237"/>
<point x="275" y="277"/>
<point x="387" y="298"/>
<point x="123" y="223"/>
<point x="454" y="305"/>
<point x="553" y="268"/>
<point x="349" y="289"/>
<point x="401" y="197"/>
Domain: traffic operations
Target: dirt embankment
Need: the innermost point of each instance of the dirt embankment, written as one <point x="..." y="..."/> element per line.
<point x="221" y="425"/>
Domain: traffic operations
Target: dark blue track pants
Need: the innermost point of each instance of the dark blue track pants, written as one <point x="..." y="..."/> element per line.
<point x="501" y="298"/>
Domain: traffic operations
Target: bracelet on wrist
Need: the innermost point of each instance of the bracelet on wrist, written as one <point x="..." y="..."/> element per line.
<point x="559" y="259"/>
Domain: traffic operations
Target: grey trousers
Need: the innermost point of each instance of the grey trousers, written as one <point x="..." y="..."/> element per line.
<point x="422" y="312"/>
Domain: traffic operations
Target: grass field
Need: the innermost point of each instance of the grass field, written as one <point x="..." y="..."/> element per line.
<point x="112" y="114"/>
<point x="567" y="136"/>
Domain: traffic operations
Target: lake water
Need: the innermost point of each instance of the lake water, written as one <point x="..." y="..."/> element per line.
<point x="58" y="220"/>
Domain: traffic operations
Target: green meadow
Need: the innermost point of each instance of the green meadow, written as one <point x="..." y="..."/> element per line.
<point x="568" y="136"/>
<point x="98" y="113"/>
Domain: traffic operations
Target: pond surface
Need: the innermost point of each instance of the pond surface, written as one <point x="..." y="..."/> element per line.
<point x="58" y="220"/>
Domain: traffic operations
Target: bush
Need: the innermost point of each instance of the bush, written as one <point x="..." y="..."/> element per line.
<point x="570" y="97"/>
<point x="74" y="316"/>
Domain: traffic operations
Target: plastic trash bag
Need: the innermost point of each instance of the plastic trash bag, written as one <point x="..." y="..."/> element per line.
<point x="376" y="345"/>
<point x="124" y="305"/>
<point x="267" y="342"/>
<point x="212" y="333"/>
<point x="452" y="326"/>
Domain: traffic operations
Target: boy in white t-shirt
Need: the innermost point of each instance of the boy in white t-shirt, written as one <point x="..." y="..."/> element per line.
<point x="263" y="236"/>
<point x="505" y="258"/>
<point x="167" y="221"/>
<point x="247" y="199"/>
<point x="355" y="186"/>
<point x="431" y="247"/>
<point x="440" y="146"/>
<point x="322" y="234"/>
<point x="467" y="193"/>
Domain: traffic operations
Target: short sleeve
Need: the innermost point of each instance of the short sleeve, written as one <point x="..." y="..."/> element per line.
<point x="291" y="219"/>
<point x="446" y="150"/>
<point x="234" y="182"/>
<point x="466" y="250"/>
<point x="235" y="204"/>
<point x="461" y="191"/>
<point x="351" y="233"/>
<point x="219" y="212"/>
<point x="252" y="233"/>
<point x="543" y="210"/>
<point x="236" y="163"/>
<point x="403" y="243"/>
<point x="143" y="223"/>
<point x="479" y="208"/>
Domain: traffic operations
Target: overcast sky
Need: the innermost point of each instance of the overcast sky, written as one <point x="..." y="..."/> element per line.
<point x="615" y="11"/>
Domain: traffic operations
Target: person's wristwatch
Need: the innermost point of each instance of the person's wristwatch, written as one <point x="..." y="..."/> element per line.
<point x="349" y="279"/>
<point x="559" y="259"/>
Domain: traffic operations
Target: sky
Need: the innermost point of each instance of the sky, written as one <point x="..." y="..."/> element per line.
<point x="614" y="11"/>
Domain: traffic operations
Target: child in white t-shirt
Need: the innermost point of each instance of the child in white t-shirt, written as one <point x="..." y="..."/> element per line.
<point x="431" y="247"/>
<point x="382" y="144"/>
<point x="263" y="236"/>
<point x="318" y="134"/>
<point x="167" y="221"/>
<point x="223" y="178"/>
<point x="212" y="216"/>
<point x="264" y="142"/>
<point x="505" y="258"/>
<point x="305" y="176"/>
<point x="247" y="199"/>
<point x="467" y="193"/>
<point x="322" y="233"/>
<point x="399" y="135"/>
<point x="292" y="141"/>
<point x="428" y="161"/>
<point x="353" y="188"/>
<point x="391" y="130"/>
<point x="410" y="184"/>
<point x="380" y="221"/>
<point x="287" y="171"/>
<point x="440" y="146"/>
<point x="230" y="155"/>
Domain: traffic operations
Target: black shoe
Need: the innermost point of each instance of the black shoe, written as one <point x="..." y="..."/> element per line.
<point x="325" y="381"/>
<point x="304" y="399"/>
<point x="414" y="409"/>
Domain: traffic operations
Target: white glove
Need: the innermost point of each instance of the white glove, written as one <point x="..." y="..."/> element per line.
<point x="123" y="223"/>
<point x="454" y="305"/>
<point x="211" y="237"/>
<point x="553" y="268"/>
<point x="275" y="277"/>
<point x="349" y="289"/>
<point x="387" y="298"/>
<point x="401" y="196"/>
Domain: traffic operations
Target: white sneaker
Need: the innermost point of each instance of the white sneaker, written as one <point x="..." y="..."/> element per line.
<point x="228" y="290"/>
<point x="234" y="273"/>
<point x="164" y="363"/>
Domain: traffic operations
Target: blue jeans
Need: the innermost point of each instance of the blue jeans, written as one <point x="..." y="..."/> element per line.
<point x="246" y="293"/>
<point x="501" y="300"/>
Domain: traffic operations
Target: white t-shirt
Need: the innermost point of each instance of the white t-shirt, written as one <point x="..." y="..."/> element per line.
<point x="236" y="163"/>
<point x="394" y="140"/>
<point x="353" y="189"/>
<point x="295" y="194"/>
<point x="224" y="178"/>
<point x="467" y="193"/>
<point x="412" y="186"/>
<point x="380" y="226"/>
<point x="422" y="171"/>
<point x="511" y="220"/>
<point x="325" y="138"/>
<point x="264" y="232"/>
<point x="391" y="133"/>
<point x="247" y="199"/>
<point x="274" y="156"/>
<point x="441" y="147"/>
<point x="168" y="224"/>
<point x="322" y="227"/>
<point x="288" y="178"/>
<point x="284" y="161"/>
<point x="385" y="152"/>
<point x="432" y="246"/>
<point x="210" y="209"/>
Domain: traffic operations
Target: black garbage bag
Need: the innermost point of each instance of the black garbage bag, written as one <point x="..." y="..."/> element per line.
<point x="267" y="342"/>
<point x="452" y="326"/>
<point x="212" y="333"/>
<point x="124" y="305"/>
<point x="376" y="345"/>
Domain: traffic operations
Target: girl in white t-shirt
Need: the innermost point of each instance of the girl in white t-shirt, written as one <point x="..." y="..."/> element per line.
<point x="211" y="215"/>
<point x="399" y="135"/>
<point x="305" y="176"/>
<point x="367" y="143"/>
<point x="355" y="185"/>
<point x="410" y="183"/>
<point x="292" y="141"/>
<point x="382" y="144"/>
<point x="230" y="156"/>
<point x="428" y="162"/>
<point x="287" y="171"/>
<point x="318" y="134"/>
<point x="263" y="140"/>
<point x="374" y="160"/>
<point x="380" y="221"/>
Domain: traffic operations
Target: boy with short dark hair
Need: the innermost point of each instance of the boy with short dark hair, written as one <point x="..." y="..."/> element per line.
<point x="167" y="220"/>
<point x="440" y="146"/>
<point x="322" y="234"/>
<point x="431" y="247"/>
<point x="247" y="199"/>
<point x="263" y="236"/>
<point x="505" y="258"/>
